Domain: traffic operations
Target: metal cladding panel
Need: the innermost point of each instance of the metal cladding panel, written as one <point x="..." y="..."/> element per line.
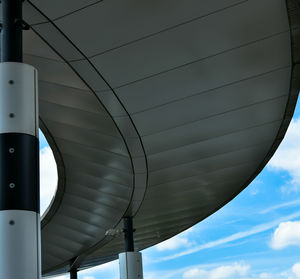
<point x="33" y="45"/>
<point x="65" y="8"/>
<point x="18" y="93"/>
<point x="90" y="75"/>
<point x="255" y="93"/>
<point x="77" y="118"/>
<point x="216" y="126"/>
<point x="58" y="94"/>
<point x="218" y="145"/>
<point x="180" y="103"/>
<point x="131" y="265"/>
<point x="17" y="225"/>
<point x="195" y="40"/>
<point x="64" y="47"/>
<point x="55" y="71"/>
<point x="95" y="159"/>
<point x="214" y="72"/>
<point x="200" y="168"/>
<point x="113" y="20"/>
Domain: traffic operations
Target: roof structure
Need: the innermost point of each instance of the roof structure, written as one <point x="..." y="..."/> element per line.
<point x="161" y="110"/>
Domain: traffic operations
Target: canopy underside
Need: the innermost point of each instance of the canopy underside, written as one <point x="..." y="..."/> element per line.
<point x="163" y="110"/>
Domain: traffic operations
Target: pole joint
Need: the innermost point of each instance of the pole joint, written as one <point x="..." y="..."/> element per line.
<point x="11" y="33"/>
<point x="73" y="273"/>
<point x="128" y="234"/>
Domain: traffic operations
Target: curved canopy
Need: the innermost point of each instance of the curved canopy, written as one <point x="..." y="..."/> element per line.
<point x="161" y="110"/>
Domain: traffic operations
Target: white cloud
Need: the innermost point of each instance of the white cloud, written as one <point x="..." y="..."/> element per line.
<point x="296" y="270"/>
<point x="90" y="273"/>
<point x="58" y="277"/>
<point x="48" y="177"/>
<point x="178" y="241"/>
<point x="287" y="233"/>
<point x="173" y="243"/>
<point x="195" y="273"/>
<point x="292" y="273"/>
<point x="287" y="157"/>
<point x="282" y="205"/>
<point x="107" y="267"/>
<point x="264" y="275"/>
<point x="240" y="235"/>
<point x="239" y="271"/>
<point x="229" y="271"/>
<point x="222" y="272"/>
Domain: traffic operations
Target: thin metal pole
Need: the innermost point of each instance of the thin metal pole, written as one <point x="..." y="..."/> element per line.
<point x="73" y="273"/>
<point x="128" y="234"/>
<point x="11" y="34"/>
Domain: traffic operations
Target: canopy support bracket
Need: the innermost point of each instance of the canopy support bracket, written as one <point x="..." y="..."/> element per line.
<point x="131" y="266"/>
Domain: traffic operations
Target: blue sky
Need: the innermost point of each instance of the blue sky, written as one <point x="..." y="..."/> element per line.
<point x="256" y="235"/>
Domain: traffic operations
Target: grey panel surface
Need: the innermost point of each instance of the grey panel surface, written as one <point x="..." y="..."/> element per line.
<point x="53" y="71"/>
<point x="33" y="45"/>
<point x="216" y="126"/>
<point x="194" y="108"/>
<point x="177" y="103"/>
<point x="71" y="97"/>
<point x="62" y="46"/>
<point x="195" y="40"/>
<point x="212" y="73"/>
<point x="112" y="20"/>
<point x="91" y="76"/>
<point x="31" y="16"/>
<point x="57" y="8"/>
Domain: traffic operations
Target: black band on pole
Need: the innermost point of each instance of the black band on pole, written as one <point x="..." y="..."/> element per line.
<point x="128" y="234"/>
<point x="73" y="273"/>
<point x="19" y="175"/>
<point x="11" y="34"/>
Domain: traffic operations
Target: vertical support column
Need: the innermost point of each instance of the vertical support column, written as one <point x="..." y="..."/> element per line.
<point x="19" y="154"/>
<point x="73" y="273"/>
<point x="11" y="34"/>
<point x="131" y="266"/>
<point x="128" y="234"/>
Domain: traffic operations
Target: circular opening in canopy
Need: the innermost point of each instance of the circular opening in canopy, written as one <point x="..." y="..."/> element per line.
<point x="48" y="174"/>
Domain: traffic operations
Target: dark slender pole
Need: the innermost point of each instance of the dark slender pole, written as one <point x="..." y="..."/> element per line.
<point x="73" y="273"/>
<point x="11" y="35"/>
<point x="128" y="234"/>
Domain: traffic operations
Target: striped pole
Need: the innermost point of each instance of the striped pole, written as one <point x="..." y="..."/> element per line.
<point x="20" y="255"/>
